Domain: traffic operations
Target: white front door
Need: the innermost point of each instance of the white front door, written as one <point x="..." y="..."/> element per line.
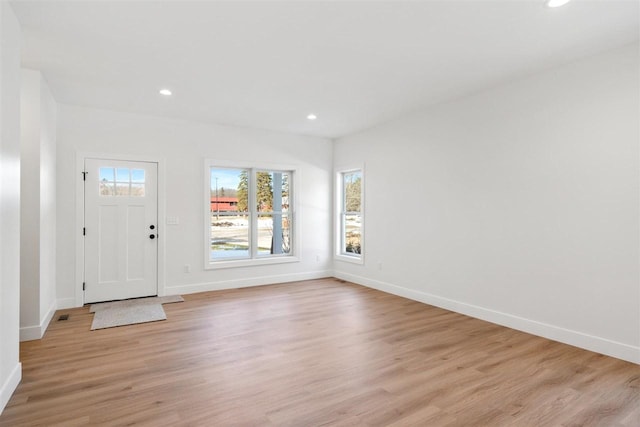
<point x="121" y="229"/>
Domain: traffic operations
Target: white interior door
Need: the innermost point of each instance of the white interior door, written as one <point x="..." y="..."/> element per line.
<point x="121" y="229"/>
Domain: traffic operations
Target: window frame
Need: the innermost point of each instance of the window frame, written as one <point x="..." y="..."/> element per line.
<point x="254" y="257"/>
<point x="340" y="213"/>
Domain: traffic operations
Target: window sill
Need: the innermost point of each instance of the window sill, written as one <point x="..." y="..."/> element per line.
<point x="350" y="259"/>
<point x="216" y="265"/>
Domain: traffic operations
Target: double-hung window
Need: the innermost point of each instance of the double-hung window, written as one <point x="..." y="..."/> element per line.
<point x="349" y="238"/>
<point x="249" y="215"/>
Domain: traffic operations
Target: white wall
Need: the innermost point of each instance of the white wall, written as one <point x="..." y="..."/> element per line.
<point x="10" y="370"/>
<point x="182" y="147"/>
<point x="29" y="199"/>
<point x="519" y="205"/>
<point x="48" y="128"/>
<point x="38" y="201"/>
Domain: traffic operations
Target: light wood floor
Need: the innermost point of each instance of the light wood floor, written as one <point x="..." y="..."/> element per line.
<point x="314" y="353"/>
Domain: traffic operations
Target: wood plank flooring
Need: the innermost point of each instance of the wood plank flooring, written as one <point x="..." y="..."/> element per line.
<point x="314" y="353"/>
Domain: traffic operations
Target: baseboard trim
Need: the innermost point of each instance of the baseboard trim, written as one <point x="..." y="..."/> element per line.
<point x="10" y="385"/>
<point x="47" y="319"/>
<point x="36" y="332"/>
<point x="30" y="333"/>
<point x="555" y="333"/>
<point x="244" y="283"/>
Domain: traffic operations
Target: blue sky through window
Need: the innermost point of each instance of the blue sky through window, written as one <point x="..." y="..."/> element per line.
<point x="227" y="178"/>
<point x="137" y="175"/>
<point x="106" y="174"/>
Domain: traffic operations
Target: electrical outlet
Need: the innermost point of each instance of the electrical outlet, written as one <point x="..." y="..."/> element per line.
<point x="187" y="268"/>
<point x="317" y="258"/>
<point x="379" y="266"/>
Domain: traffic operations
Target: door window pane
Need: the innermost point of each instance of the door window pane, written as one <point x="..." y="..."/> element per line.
<point x="121" y="182"/>
<point x="122" y="188"/>
<point x="106" y="188"/>
<point x="106" y="175"/>
<point x="137" y="190"/>
<point x="137" y="175"/>
<point x="122" y="175"/>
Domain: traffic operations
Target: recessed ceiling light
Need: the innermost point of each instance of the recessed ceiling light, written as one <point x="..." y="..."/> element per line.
<point x="165" y="92"/>
<point x="556" y="3"/>
<point x="312" y="117"/>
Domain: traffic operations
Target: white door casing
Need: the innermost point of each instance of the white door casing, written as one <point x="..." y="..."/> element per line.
<point x="121" y="229"/>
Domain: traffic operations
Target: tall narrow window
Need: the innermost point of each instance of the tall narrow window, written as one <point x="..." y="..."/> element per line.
<point x="351" y="214"/>
<point x="249" y="216"/>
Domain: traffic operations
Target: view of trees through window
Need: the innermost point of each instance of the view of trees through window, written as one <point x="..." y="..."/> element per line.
<point x="235" y="213"/>
<point x="351" y="215"/>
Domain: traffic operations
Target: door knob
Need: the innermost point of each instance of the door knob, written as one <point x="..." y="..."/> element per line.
<point x="152" y="236"/>
<point x="152" y="226"/>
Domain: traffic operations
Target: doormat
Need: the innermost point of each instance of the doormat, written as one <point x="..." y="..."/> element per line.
<point x="130" y="312"/>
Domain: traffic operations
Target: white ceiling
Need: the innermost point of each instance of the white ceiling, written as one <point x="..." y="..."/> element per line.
<point x="268" y="64"/>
